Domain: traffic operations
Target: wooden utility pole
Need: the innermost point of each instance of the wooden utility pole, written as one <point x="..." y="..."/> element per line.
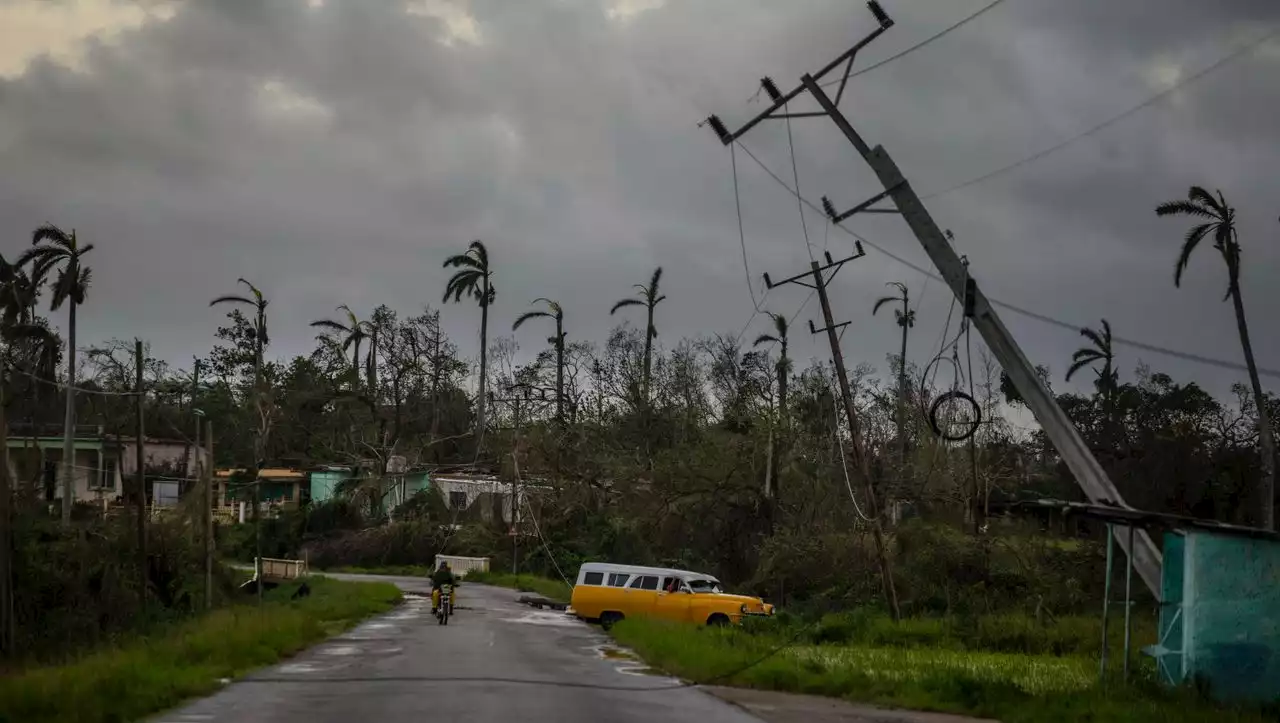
<point x="7" y="625"/>
<point x="139" y="406"/>
<point x="1066" y="439"/>
<point x="206" y="475"/>
<point x="519" y="403"/>
<point x="861" y="465"/>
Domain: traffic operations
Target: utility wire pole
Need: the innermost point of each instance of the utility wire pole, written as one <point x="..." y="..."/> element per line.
<point x="1066" y="439"/>
<point x="206" y="476"/>
<point x="519" y="402"/>
<point x="817" y="273"/>
<point x="7" y="625"/>
<point x="140" y="451"/>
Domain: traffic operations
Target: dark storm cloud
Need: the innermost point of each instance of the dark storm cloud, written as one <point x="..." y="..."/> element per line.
<point x="338" y="154"/>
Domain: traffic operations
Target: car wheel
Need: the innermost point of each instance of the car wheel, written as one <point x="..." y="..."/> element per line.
<point x="608" y="619"/>
<point x="718" y="620"/>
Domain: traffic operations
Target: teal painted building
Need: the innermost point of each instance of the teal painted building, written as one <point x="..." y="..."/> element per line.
<point x="1220" y="614"/>
<point x="397" y="489"/>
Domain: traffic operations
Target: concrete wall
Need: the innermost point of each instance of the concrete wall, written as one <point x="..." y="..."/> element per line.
<point x="1231" y="615"/>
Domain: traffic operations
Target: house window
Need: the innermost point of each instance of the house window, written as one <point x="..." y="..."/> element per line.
<point x="457" y="499"/>
<point x="593" y="578"/>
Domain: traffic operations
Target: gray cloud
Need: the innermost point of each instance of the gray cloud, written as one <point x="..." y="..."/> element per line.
<point x="337" y="155"/>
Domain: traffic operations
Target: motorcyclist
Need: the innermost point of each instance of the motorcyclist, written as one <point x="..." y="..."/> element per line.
<point x="441" y="577"/>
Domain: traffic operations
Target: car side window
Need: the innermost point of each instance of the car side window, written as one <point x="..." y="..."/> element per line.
<point x="618" y="579"/>
<point x="649" y="582"/>
<point x="670" y="584"/>
<point x="593" y="578"/>
<point x="635" y="583"/>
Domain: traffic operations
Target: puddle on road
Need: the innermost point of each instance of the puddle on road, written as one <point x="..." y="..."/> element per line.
<point x="552" y="619"/>
<point x="341" y="650"/>
<point x="638" y="670"/>
<point x="609" y="652"/>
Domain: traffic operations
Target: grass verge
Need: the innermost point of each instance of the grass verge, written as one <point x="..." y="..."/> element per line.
<point x="149" y="674"/>
<point x="1011" y="687"/>
<point x="554" y="589"/>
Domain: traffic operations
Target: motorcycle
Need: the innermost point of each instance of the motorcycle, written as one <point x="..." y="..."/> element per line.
<point x="444" y="607"/>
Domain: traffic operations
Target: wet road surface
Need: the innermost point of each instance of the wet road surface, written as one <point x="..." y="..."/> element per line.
<point x="495" y="661"/>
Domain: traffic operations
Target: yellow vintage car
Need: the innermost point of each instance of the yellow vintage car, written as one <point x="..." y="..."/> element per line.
<point x="606" y="593"/>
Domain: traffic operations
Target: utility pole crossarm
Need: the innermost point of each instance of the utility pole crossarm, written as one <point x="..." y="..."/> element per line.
<point x="780" y="100"/>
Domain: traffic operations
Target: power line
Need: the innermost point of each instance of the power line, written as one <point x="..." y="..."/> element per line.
<point x="917" y="46"/>
<point x="1110" y="121"/>
<point x="1188" y="356"/>
<point x="742" y="234"/>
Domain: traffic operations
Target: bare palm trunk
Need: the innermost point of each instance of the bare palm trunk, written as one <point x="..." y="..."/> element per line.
<point x="902" y="393"/>
<point x="648" y="355"/>
<point x="69" y="421"/>
<point x="484" y="370"/>
<point x="1266" y="440"/>
<point x="259" y="447"/>
<point x="559" y="374"/>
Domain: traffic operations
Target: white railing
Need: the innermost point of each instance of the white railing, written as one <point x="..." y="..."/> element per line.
<point x="462" y="565"/>
<point x="276" y="569"/>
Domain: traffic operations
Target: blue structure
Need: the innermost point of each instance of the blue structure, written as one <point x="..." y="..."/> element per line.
<point x="1219" y="600"/>
<point x="1220" y="614"/>
<point x="398" y="488"/>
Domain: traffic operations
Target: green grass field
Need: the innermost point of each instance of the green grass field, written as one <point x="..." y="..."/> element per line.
<point x="149" y="674"/>
<point x="1014" y="687"/>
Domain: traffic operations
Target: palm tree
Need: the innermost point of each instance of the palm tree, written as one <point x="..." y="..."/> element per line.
<point x="474" y="279"/>
<point x="1219" y="221"/>
<point x="259" y="304"/>
<point x="52" y="248"/>
<point x="783" y="370"/>
<point x="557" y="313"/>
<point x="1100" y="351"/>
<point x="906" y="318"/>
<point x="648" y="297"/>
<point x="783" y="367"/>
<point x="353" y="332"/>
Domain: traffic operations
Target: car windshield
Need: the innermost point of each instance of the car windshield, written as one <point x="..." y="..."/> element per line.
<point x="705" y="586"/>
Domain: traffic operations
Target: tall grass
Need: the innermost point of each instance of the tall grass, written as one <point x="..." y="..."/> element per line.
<point x="553" y="589"/>
<point x="1011" y="687"/>
<point x="149" y="674"/>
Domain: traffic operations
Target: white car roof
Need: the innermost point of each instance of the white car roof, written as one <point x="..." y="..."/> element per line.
<point x="641" y="570"/>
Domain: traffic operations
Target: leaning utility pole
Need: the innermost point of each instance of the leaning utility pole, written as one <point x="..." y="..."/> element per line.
<point x="860" y="462"/>
<point x="140" y="399"/>
<point x="1057" y="425"/>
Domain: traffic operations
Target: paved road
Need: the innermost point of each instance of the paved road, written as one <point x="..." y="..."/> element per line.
<point x="519" y="664"/>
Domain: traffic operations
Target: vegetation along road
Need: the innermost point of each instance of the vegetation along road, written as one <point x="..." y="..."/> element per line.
<point x="495" y="661"/>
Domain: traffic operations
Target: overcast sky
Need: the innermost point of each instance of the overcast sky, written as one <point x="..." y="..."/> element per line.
<point x="336" y="151"/>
